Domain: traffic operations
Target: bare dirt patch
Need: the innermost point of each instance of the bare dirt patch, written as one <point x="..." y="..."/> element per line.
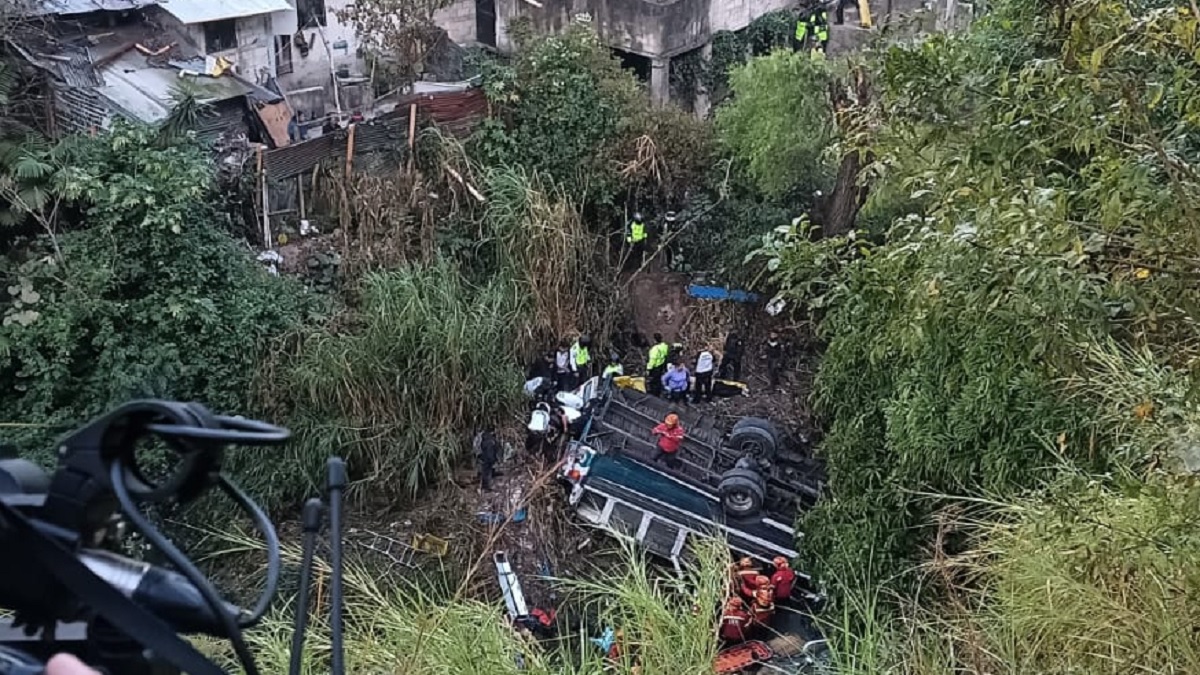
<point x="660" y="303"/>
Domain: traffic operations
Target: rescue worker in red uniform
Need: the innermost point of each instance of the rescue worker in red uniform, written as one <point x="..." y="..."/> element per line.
<point x="735" y="621"/>
<point x="744" y="572"/>
<point x="751" y="585"/>
<point x="763" y="607"/>
<point x="670" y="436"/>
<point x="783" y="579"/>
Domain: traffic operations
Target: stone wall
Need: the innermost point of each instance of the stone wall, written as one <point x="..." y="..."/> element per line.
<point x="458" y="20"/>
<point x="652" y="28"/>
<point x="77" y="109"/>
<point x="643" y="27"/>
<point x="735" y="15"/>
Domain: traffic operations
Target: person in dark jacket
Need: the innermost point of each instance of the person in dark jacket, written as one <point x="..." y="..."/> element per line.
<point x="774" y="355"/>
<point x="731" y="358"/>
<point x="542" y="367"/>
<point x="489" y="454"/>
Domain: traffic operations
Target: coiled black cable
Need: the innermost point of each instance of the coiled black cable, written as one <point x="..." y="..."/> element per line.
<point x="231" y="624"/>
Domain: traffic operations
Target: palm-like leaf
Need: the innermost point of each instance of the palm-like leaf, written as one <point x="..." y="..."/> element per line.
<point x="30" y="167"/>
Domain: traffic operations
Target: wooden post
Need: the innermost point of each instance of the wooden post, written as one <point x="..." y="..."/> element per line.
<point x="412" y="133"/>
<point x="300" y="196"/>
<point x="266" y="200"/>
<point x="350" y="150"/>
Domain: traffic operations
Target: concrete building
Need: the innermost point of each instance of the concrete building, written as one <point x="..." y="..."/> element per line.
<point x="125" y="58"/>
<point x="654" y="30"/>
<point x="323" y="50"/>
<point x="240" y="31"/>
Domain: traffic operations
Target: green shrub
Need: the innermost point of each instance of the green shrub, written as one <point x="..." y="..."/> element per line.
<point x="420" y="364"/>
<point x="148" y="299"/>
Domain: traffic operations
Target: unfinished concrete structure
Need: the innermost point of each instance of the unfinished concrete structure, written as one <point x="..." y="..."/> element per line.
<point x="654" y="29"/>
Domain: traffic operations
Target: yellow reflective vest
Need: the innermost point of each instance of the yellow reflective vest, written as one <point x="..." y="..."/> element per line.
<point x="658" y="356"/>
<point x="580" y="354"/>
<point x="817" y="24"/>
<point x="637" y="232"/>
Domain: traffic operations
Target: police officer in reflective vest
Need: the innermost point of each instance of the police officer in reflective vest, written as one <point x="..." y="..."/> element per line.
<point x="656" y="365"/>
<point x="614" y="368"/>
<point x="815" y="26"/>
<point x="581" y="359"/>
<point x="635" y="236"/>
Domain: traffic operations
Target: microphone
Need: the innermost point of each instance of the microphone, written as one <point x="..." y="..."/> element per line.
<point x="167" y="594"/>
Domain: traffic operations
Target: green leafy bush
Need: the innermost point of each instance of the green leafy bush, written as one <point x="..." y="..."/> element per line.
<point x="779" y="122"/>
<point x="1040" y="215"/>
<point x="147" y="299"/>
<point x="564" y="102"/>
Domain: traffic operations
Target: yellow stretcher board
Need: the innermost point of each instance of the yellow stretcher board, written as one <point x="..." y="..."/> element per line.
<point x="864" y="13"/>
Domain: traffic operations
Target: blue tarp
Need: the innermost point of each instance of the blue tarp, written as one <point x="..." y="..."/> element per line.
<point x="720" y="293"/>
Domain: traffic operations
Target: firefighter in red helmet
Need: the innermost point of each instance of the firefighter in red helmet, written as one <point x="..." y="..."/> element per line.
<point x="783" y="579"/>
<point x="735" y="620"/>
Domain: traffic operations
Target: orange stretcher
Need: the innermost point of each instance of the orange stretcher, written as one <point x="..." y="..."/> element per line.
<point x="740" y="657"/>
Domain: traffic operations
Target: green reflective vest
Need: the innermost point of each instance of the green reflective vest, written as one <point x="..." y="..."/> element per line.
<point x="581" y="355"/>
<point x="658" y="355"/>
<point x="817" y="23"/>
<point x="614" y="369"/>
<point x="637" y="232"/>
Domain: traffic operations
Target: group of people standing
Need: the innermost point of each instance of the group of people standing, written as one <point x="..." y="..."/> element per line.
<point x="752" y="597"/>
<point x="571" y="365"/>
<point x="668" y="375"/>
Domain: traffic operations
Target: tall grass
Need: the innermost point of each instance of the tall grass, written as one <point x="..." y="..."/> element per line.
<point x="421" y="628"/>
<point x="1096" y="580"/>
<point x="398" y="392"/>
<point x="1145" y="407"/>
<point x="1090" y="577"/>
<point x="668" y="621"/>
<point x="544" y="246"/>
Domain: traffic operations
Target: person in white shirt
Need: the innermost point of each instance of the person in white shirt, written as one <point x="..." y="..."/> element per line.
<point x="562" y="366"/>
<point x="704" y="376"/>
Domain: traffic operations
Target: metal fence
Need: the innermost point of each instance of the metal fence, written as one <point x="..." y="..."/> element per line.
<point x="458" y="113"/>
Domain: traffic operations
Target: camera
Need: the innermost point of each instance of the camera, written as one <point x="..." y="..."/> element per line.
<point x="66" y="588"/>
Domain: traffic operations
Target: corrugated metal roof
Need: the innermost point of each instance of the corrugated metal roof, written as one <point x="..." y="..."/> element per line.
<point x="67" y="7"/>
<point x="70" y="64"/>
<point x="145" y="92"/>
<point x="457" y="112"/>
<point x="200" y="11"/>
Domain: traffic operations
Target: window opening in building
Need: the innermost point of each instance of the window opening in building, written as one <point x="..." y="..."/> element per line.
<point x="485" y="22"/>
<point x="310" y="13"/>
<point x="640" y="65"/>
<point x="220" y="36"/>
<point x="283" y="54"/>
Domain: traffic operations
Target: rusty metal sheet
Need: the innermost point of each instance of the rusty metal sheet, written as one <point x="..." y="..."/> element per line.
<point x="275" y="117"/>
<point x="457" y="112"/>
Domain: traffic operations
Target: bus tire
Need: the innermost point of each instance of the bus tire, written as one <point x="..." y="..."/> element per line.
<point x="753" y="440"/>
<point x="742" y="493"/>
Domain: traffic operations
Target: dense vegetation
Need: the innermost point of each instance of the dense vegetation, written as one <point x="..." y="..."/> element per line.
<point x="1008" y="333"/>
<point x="1021" y="314"/>
<point x="138" y="292"/>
